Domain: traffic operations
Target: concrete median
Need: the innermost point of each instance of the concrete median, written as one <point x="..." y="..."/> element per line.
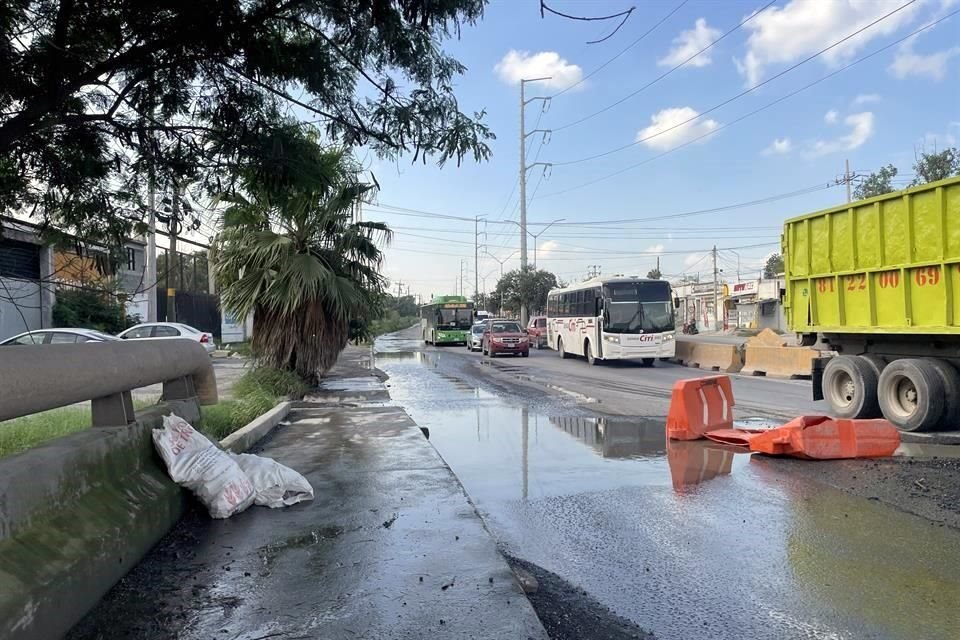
<point x="723" y="358"/>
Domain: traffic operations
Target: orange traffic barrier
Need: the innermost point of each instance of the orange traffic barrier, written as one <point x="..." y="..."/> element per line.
<point x="700" y="405"/>
<point x="694" y="462"/>
<point x="818" y="438"/>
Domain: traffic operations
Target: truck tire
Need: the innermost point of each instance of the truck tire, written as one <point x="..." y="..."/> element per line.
<point x="951" y="384"/>
<point x="912" y="394"/>
<point x="850" y="387"/>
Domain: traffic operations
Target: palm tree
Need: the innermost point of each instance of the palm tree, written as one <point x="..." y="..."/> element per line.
<point x="293" y="256"/>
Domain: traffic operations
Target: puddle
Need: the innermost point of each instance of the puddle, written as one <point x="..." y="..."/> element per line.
<point x="919" y="450"/>
<point x="687" y="539"/>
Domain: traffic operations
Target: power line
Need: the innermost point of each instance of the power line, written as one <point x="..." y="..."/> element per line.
<point x="666" y="73"/>
<point x="755" y="111"/>
<point x="732" y="99"/>
<point x="622" y="51"/>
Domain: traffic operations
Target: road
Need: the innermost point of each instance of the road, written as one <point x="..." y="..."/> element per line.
<point x="569" y="467"/>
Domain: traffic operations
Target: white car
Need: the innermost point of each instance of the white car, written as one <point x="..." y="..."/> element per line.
<point x="59" y="336"/>
<point x="168" y="330"/>
<point x="475" y="340"/>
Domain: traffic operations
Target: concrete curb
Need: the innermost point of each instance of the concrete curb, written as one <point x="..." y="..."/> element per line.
<point x="244" y="438"/>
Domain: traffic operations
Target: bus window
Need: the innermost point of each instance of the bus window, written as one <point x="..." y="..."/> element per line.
<point x="639" y="307"/>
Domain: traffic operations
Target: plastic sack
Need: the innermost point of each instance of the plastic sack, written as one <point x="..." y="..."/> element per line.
<point x="197" y="464"/>
<point x="274" y="484"/>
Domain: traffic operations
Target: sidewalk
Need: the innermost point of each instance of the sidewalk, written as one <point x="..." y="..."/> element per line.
<point x="390" y="547"/>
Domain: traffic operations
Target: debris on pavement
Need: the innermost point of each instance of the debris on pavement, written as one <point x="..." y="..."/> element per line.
<point x="700" y="405"/>
<point x="275" y="485"/>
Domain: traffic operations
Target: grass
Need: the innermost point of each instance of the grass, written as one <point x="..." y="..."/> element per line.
<point x="240" y="348"/>
<point x="389" y="325"/>
<point x="27" y="432"/>
<point x="255" y="393"/>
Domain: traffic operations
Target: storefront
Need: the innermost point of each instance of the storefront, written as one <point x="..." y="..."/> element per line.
<point x="756" y="304"/>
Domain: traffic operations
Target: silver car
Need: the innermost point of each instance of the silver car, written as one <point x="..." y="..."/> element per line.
<point x="59" y="336"/>
<point x="475" y="340"/>
<point x="167" y="330"/>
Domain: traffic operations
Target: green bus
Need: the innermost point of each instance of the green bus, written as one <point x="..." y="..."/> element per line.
<point x="446" y="320"/>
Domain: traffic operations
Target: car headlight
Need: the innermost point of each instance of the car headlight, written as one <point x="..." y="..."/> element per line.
<point x="667" y="336"/>
<point x="614" y="339"/>
<point x="495" y="339"/>
<point x="522" y="340"/>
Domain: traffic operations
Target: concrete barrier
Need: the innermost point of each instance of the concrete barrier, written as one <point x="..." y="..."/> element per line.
<point x="778" y="361"/>
<point x="76" y="514"/>
<point x="724" y="358"/>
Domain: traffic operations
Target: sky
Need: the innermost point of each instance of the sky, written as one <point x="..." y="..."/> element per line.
<point x="628" y="144"/>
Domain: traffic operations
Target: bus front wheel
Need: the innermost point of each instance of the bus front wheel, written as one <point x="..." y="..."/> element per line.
<point x="561" y="350"/>
<point x="588" y="354"/>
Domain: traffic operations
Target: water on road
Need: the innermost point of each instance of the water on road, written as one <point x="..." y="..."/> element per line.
<point x="688" y="540"/>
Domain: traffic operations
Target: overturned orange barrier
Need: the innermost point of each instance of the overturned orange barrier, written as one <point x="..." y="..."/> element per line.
<point x="700" y="405"/>
<point x="818" y="438"/>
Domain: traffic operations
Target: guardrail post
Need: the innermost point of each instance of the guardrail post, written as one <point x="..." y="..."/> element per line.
<point x="113" y="411"/>
<point x="181" y="388"/>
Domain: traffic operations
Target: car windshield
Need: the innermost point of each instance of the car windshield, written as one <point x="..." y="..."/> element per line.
<point x="477" y="329"/>
<point x="638" y="307"/>
<point x="505" y="327"/>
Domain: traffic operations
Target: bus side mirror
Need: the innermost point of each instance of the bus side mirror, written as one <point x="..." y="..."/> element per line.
<point x="676" y="303"/>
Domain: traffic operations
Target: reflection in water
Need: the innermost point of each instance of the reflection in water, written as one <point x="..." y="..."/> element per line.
<point x="616" y="438"/>
<point x="693" y="462"/>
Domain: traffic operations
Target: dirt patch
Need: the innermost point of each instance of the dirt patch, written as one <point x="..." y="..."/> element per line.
<point x="569" y="613"/>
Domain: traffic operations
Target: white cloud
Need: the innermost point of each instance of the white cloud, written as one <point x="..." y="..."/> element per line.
<point x="656" y="249"/>
<point x="933" y="65"/>
<point x="831" y="117"/>
<point x="693" y="258"/>
<point x="546" y="248"/>
<point x="787" y="34"/>
<point x="778" y="146"/>
<point x="688" y="43"/>
<point x="519" y="65"/>
<point x="861" y="128"/>
<point x="674" y="126"/>
<point x="866" y="98"/>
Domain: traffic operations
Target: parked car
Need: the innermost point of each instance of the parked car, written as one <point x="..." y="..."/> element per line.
<point x="168" y="330"/>
<point x="59" y="336"/>
<point x="505" y="336"/>
<point x="475" y="339"/>
<point x="537" y="330"/>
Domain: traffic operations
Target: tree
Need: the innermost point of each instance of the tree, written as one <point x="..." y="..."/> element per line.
<point x="931" y="167"/>
<point x="877" y="183"/>
<point x="90" y="309"/>
<point x="295" y="258"/>
<point x="654" y="274"/>
<point x="99" y="97"/>
<point x="774" y="266"/>
<point x="528" y="285"/>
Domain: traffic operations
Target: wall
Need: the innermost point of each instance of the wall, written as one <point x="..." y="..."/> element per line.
<point x="19" y="307"/>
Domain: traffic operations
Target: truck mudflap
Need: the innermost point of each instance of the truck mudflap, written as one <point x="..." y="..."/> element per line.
<point x="816" y="376"/>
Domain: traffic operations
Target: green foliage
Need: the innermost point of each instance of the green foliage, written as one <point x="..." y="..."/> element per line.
<point x="274" y="382"/>
<point x="222" y="419"/>
<point x="89" y="309"/>
<point x="654" y="274"/>
<point x="774" y="266"/>
<point x="391" y="324"/>
<point x="97" y="97"/>
<point x="525" y="285"/>
<point x="877" y="183"/>
<point x="931" y="167"/>
<point x="292" y="255"/>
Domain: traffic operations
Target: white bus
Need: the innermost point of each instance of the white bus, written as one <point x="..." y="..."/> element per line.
<point x="613" y="319"/>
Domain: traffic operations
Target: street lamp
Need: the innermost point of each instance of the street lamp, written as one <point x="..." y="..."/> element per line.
<point x="536" y="236"/>
<point x="501" y="271"/>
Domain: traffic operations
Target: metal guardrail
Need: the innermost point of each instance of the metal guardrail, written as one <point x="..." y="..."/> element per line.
<point x="36" y="378"/>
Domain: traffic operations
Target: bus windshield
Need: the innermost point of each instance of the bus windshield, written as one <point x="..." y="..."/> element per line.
<point x="638" y="307"/>
<point x="461" y="318"/>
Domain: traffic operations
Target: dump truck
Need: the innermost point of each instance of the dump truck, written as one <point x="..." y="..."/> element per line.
<point x="875" y="285"/>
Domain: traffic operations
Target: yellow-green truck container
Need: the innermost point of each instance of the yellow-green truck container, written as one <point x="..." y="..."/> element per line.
<point x="878" y="281"/>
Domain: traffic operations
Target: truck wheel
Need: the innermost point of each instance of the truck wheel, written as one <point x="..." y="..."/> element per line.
<point x="647" y="362"/>
<point x="561" y="350"/>
<point x="912" y="394"/>
<point x="850" y="386"/>
<point x="951" y="384"/>
<point x="877" y="362"/>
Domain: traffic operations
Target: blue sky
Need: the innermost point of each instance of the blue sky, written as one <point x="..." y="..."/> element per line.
<point x="877" y="112"/>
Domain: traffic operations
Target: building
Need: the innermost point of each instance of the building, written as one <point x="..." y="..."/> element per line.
<point x="697" y="301"/>
<point x="756" y="304"/>
<point x="32" y="272"/>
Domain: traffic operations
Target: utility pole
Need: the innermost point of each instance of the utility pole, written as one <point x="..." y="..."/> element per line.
<point x="716" y="308"/>
<point x="847" y="178"/>
<point x="150" y="268"/>
<point x="173" y="258"/>
<point x="476" y="256"/>
<point x="523" y="183"/>
<point x="399" y="290"/>
<point x="463" y="263"/>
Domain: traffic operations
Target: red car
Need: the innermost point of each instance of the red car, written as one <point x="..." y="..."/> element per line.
<point x="537" y="330"/>
<point x="505" y="336"/>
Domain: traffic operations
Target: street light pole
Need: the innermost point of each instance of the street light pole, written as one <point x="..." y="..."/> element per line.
<point x="523" y="182"/>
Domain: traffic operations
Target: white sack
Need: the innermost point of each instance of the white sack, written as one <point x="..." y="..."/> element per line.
<point x="275" y="485"/>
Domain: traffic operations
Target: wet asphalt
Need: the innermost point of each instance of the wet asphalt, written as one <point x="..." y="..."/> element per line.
<point x="686" y="540"/>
